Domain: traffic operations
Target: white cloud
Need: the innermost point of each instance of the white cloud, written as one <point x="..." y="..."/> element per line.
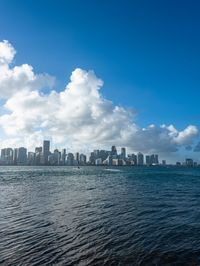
<point x="18" y="78"/>
<point x="7" y="53"/>
<point x="79" y="116"/>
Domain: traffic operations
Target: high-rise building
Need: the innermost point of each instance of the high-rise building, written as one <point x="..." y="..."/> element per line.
<point x="38" y="149"/>
<point x="63" y="156"/>
<point x="131" y="159"/>
<point x="108" y="160"/>
<point x="46" y="151"/>
<point x="38" y="156"/>
<point x="7" y="156"/>
<point x="148" y="160"/>
<point x="21" y="156"/>
<point x="114" y="152"/>
<point x="82" y="159"/>
<point x="15" y="156"/>
<point x="134" y="159"/>
<point x="103" y="154"/>
<point x="152" y="159"/>
<point x="156" y="161"/>
<point x="51" y="160"/>
<point x="123" y="153"/>
<point x="70" y="159"/>
<point x="31" y="158"/>
<point x="57" y="157"/>
<point x="92" y="158"/>
<point x="77" y="157"/>
<point x="98" y="161"/>
<point x="140" y="158"/>
<point x="188" y="162"/>
<point x="96" y="153"/>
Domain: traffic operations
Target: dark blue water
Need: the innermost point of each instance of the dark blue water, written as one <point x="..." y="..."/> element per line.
<point x="94" y="216"/>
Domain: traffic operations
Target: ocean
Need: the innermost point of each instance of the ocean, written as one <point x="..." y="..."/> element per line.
<point x="99" y="216"/>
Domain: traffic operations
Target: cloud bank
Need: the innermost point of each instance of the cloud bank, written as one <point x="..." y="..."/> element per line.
<point x="79" y="116"/>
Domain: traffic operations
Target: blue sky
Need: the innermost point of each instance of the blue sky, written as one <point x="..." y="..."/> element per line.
<point x="147" y="52"/>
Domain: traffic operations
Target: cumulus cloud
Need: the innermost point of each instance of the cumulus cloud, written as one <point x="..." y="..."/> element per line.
<point x="18" y="78"/>
<point x="79" y="116"/>
<point x="7" y="53"/>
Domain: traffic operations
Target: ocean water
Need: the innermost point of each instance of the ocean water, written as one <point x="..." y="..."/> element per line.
<point x="99" y="216"/>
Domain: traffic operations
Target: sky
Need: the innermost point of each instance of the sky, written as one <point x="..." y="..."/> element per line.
<point x="90" y="74"/>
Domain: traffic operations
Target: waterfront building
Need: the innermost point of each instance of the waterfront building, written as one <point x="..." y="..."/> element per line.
<point x="46" y="151"/>
<point x="92" y="158"/>
<point x="98" y="161"/>
<point x="43" y="156"/>
<point x="96" y="153"/>
<point x="134" y="159"/>
<point x="56" y="157"/>
<point x="38" y="156"/>
<point x="131" y="159"/>
<point x="103" y="154"/>
<point x="118" y="162"/>
<point x="108" y="160"/>
<point x="148" y="160"/>
<point x="156" y="161"/>
<point x="77" y="157"/>
<point x="82" y="159"/>
<point x="188" y="162"/>
<point x="152" y="159"/>
<point x="31" y="158"/>
<point x="115" y="161"/>
<point x="123" y="153"/>
<point x="7" y="156"/>
<point x="140" y="158"/>
<point x="70" y="159"/>
<point x="15" y="156"/>
<point x="63" y="156"/>
<point x="114" y="152"/>
<point x="21" y="156"/>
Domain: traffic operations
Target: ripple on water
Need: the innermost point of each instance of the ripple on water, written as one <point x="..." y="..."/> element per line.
<point x="99" y="216"/>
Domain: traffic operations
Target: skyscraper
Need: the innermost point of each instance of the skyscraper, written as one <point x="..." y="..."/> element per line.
<point x="7" y="156"/>
<point x="77" y="157"/>
<point x="22" y="156"/>
<point x="148" y="160"/>
<point x="38" y="155"/>
<point x="189" y="162"/>
<point x="114" y="152"/>
<point x="31" y="158"/>
<point x="70" y="159"/>
<point x="156" y="159"/>
<point x="140" y="158"/>
<point x="46" y="150"/>
<point x="63" y="156"/>
<point x="56" y="156"/>
<point x="82" y="159"/>
<point x="15" y="156"/>
<point x="123" y="153"/>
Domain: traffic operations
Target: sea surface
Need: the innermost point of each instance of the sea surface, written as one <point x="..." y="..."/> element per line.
<point x="99" y="216"/>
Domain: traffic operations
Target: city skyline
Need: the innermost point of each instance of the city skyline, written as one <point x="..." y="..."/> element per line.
<point x="85" y="84"/>
<point x="43" y="155"/>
